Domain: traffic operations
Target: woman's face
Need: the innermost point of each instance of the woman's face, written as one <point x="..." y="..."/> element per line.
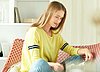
<point x="56" y="18"/>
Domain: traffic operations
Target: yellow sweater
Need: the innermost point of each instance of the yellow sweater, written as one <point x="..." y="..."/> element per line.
<point x="40" y="45"/>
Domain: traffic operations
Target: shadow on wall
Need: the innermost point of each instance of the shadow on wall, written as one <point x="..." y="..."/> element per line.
<point x="96" y="21"/>
<point x="96" y="17"/>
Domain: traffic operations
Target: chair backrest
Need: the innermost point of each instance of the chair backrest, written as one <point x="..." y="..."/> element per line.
<point x="14" y="55"/>
<point x="94" y="49"/>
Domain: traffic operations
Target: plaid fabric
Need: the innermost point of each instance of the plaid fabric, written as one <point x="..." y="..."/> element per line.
<point x="94" y="49"/>
<point x="15" y="54"/>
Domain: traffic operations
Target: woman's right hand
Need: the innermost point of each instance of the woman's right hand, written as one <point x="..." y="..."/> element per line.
<point x="56" y="66"/>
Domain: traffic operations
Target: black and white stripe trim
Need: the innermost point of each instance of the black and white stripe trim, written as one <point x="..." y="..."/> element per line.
<point x="64" y="46"/>
<point x="32" y="47"/>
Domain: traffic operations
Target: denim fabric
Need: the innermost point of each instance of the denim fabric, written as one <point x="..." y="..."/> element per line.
<point x="76" y="59"/>
<point x="40" y="66"/>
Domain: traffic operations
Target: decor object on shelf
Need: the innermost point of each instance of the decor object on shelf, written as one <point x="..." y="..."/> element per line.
<point x="17" y="18"/>
<point x="28" y="20"/>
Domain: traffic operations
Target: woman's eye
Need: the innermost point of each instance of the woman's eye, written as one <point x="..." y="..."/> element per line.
<point x="56" y="17"/>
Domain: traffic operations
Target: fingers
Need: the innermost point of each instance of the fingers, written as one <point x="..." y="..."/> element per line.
<point x="58" y="67"/>
<point x="88" y="56"/>
<point x="62" y="67"/>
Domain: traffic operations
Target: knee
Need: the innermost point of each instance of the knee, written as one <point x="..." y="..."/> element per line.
<point x="40" y="65"/>
<point x="40" y="62"/>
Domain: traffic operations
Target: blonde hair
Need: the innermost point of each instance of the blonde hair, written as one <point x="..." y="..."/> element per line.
<point x="45" y="17"/>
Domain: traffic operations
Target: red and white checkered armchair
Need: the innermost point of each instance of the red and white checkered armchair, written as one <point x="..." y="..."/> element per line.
<point x="15" y="53"/>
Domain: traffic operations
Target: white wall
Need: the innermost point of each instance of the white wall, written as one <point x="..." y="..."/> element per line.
<point x="4" y="11"/>
<point x="31" y="9"/>
<point x="79" y="28"/>
<point x="10" y="32"/>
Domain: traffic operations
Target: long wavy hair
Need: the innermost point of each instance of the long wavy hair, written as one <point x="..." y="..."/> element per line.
<point x="53" y="7"/>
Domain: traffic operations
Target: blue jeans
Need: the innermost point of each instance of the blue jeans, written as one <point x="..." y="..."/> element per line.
<point x="72" y="60"/>
<point x="42" y="66"/>
<point x="76" y="59"/>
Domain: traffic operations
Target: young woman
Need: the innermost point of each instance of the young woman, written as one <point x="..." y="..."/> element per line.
<point x="43" y="41"/>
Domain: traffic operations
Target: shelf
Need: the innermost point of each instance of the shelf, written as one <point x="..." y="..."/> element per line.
<point x="27" y="24"/>
<point x="3" y="58"/>
<point x="32" y="0"/>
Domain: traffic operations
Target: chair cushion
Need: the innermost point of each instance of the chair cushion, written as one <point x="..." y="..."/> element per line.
<point x="15" y="67"/>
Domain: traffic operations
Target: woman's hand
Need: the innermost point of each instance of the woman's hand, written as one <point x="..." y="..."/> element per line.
<point x="56" y="66"/>
<point x="86" y="52"/>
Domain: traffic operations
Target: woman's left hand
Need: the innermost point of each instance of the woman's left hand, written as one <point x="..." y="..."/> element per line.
<point x="86" y="52"/>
